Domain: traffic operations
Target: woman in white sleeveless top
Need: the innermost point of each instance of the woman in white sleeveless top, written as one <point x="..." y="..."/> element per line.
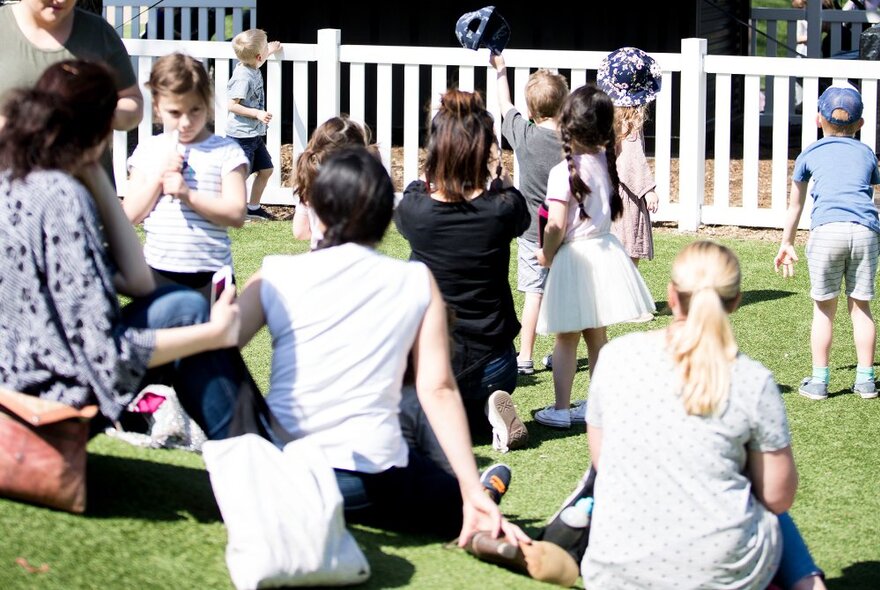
<point x="343" y="319"/>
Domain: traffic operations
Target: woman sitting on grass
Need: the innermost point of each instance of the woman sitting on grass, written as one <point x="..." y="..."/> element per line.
<point x="690" y="443"/>
<point x="339" y="359"/>
<point x="68" y="250"/>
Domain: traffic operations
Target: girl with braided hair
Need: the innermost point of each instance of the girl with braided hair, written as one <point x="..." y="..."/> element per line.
<point x="592" y="282"/>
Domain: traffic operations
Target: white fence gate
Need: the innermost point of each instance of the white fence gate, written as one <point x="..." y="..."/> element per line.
<point x="692" y="75"/>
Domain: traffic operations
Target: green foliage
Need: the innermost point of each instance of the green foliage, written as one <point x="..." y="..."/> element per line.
<point x="152" y="521"/>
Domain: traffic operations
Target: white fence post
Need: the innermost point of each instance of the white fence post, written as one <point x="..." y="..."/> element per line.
<point x="328" y="73"/>
<point x="692" y="142"/>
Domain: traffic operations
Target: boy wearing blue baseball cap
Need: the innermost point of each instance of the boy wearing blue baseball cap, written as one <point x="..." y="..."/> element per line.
<point x="844" y="235"/>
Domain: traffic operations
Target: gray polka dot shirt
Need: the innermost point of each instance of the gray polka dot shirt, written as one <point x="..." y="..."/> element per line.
<point x="674" y="507"/>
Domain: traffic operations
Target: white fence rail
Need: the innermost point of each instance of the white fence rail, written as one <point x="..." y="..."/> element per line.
<point x="696" y="79"/>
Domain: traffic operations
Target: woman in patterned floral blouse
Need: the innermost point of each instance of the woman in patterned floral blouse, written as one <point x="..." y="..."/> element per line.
<point x="68" y="249"/>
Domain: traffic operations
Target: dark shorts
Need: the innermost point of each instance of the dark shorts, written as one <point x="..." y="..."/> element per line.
<point x="256" y="152"/>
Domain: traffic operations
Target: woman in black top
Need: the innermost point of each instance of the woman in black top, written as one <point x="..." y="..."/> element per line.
<point x="462" y="231"/>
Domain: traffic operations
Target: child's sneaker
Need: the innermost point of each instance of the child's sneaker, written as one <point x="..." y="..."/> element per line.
<point x="548" y="361"/>
<point x="508" y="431"/>
<point x="259" y="214"/>
<point x="867" y="390"/>
<point x="579" y="412"/>
<point x="813" y="389"/>
<point x="525" y="367"/>
<point x="550" y="416"/>
<point x="496" y="480"/>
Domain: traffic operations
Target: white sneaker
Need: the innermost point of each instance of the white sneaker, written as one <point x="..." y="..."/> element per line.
<point x="579" y="412"/>
<point x="550" y="416"/>
<point x="508" y="431"/>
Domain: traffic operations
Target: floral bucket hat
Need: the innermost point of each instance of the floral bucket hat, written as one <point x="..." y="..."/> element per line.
<point x="630" y="77"/>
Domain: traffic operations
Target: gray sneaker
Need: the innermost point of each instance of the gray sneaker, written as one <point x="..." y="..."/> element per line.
<point x="867" y="390"/>
<point x="813" y="389"/>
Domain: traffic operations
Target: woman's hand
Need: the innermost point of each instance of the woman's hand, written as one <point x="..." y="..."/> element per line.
<point x="482" y="514"/>
<point x="226" y="317"/>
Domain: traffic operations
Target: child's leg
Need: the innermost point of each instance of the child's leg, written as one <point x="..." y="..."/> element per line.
<point x="864" y="331"/>
<point x="531" y="306"/>
<point x="564" y="367"/>
<point x="821" y="331"/>
<point x="595" y="338"/>
<point x="259" y="185"/>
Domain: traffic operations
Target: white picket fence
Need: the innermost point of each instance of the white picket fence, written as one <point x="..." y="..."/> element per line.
<point x="133" y="19"/>
<point x="685" y="74"/>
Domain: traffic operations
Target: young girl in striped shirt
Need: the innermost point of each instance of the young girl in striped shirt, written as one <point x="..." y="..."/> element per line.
<point x="187" y="185"/>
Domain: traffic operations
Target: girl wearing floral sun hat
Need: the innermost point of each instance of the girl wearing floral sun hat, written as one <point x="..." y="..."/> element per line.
<point x="631" y="78"/>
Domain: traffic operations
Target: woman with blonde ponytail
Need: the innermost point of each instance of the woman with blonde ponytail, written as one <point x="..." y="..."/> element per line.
<point x="692" y="451"/>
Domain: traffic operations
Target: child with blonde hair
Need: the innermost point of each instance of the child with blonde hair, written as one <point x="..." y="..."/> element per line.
<point x="247" y="119"/>
<point x="537" y="147"/>
<point x="592" y="283"/>
<point x="329" y="137"/>
<point x="631" y="78"/>
<point x="186" y="184"/>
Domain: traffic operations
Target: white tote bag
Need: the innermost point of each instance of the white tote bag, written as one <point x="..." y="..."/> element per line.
<point x="283" y="515"/>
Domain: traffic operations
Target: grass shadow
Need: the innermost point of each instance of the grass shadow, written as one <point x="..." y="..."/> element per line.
<point x="148" y="490"/>
<point x="387" y="570"/>
<point x="662" y="308"/>
<point x="858" y="575"/>
<point x="760" y="295"/>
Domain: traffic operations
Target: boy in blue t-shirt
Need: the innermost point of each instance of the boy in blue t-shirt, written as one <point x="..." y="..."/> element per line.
<point x="247" y="119"/>
<point x="844" y="235"/>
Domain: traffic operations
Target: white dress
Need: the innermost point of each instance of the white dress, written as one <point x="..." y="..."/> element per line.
<point x="592" y="281"/>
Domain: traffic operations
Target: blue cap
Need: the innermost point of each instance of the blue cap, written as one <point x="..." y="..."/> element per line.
<point x="845" y="98"/>
<point x="483" y="28"/>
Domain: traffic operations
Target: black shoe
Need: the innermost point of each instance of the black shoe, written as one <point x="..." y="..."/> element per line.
<point x="260" y="214"/>
<point x="496" y="480"/>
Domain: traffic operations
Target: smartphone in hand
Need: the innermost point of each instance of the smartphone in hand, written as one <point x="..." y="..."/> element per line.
<point x="219" y="281"/>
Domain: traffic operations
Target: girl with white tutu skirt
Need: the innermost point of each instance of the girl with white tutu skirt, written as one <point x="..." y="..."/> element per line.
<point x="592" y="282"/>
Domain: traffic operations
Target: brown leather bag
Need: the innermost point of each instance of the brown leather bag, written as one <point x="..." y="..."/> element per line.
<point x="43" y="451"/>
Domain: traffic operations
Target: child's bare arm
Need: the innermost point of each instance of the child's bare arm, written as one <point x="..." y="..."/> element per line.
<point x="786" y="257"/>
<point x="301" y="228"/>
<point x="503" y="89"/>
<point x="227" y="211"/>
<point x="236" y="107"/>
<point x="554" y="232"/>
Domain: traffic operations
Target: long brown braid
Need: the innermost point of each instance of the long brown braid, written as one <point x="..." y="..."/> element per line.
<point x="587" y="118"/>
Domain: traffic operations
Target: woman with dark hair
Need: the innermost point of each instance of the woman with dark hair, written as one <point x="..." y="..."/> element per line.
<point x="338" y="362"/>
<point x="69" y="249"/>
<point x="460" y="221"/>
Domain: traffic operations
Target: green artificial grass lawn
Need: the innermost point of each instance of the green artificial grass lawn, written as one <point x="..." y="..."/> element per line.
<point x="152" y="521"/>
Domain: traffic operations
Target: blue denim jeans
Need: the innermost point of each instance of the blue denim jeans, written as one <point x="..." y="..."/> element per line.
<point x="498" y="373"/>
<point x="420" y="497"/>
<point x="796" y="562"/>
<point x="207" y="384"/>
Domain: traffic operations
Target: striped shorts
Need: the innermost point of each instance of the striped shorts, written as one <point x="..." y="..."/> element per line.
<point x="838" y="250"/>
